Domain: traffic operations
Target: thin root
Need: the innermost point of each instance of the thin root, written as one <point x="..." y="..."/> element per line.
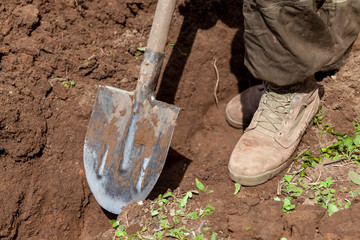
<point x="217" y="82"/>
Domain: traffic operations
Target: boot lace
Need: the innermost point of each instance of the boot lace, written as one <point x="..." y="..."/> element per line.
<point x="276" y="105"/>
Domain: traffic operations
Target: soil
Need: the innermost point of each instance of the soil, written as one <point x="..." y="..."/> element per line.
<point x="53" y="56"/>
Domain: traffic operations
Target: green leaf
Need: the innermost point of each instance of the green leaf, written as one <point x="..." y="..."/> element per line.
<point x="357" y="140"/>
<point x="348" y="142"/>
<point x="159" y="235"/>
<point x="248" y="228"/>
<point x="329" y="181"/>
<point x="199" y="185"/>
<point x="277" y="199"/>
<point x="192" y="215"/>
<point x="199" y="236"/>
<point x="287" y="178"/>
<point x="141" y="49"/>
<point x="209" y="209"/>
<point x="347" y="205"/>
<point x="213" y="236"/>
<point x="114" y="223"/>
<point x="355" y="177"/>
<point x="194" y="191"/>
<point x="172" y="44"/>
<point x="154" y="213"/>
<point x="168" y="194"/>
<point x="120" y="231"/>
<point x="184" y="200"/>
<point x="72" y="83"/>
<point x="237" y="188"/>
<point x="287" y="206"/>
<point x="331" y="209"/>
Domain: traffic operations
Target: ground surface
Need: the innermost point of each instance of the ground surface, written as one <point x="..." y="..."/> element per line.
<point x="54" y="54"/>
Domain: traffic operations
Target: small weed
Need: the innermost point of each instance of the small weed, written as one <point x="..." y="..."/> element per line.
<point x="318" y="118"/>
<point x="199" y="185"/>
<point x="346" y="148"/>
<point x="308" y="160"/>
<point x="66" y="82"/>
<point x="277" y="199"/>
<point x="167" y="212"/>
<point x="140" y="51"/>
<point x="324" y="194"/>
<point x="287" y="205"/>
<point x="289" y="189"/>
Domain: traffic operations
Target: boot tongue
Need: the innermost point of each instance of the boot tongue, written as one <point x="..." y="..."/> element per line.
<point x="276" y="103"/>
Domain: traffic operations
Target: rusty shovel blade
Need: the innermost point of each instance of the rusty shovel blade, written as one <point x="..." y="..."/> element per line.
<point x="126" y="146"/>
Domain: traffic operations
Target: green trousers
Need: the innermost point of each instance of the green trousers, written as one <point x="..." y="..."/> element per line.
<point x="287" y="41"/>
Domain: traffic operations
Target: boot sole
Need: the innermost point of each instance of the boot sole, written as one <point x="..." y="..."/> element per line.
<point x="258" y="179"/>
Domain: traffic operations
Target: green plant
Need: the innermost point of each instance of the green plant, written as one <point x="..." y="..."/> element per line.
<point x="199" y="185"/>
<point x="346" y="148"/>
<point x="325" y="195"/>
<point x="66" y="82"/>
<point x="289" y="189"/>
<point x="308" y="160"/>
<point x="167" y="212"/>
<point x="140" y="51"/>
<point x="318" y="118"/>
<point x="287" y="205"/>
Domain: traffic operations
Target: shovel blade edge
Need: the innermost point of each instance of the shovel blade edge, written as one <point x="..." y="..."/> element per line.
<point x="126" y="146"/>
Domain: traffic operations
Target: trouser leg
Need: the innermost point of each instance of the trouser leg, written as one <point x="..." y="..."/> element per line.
<point x="288" y="41"/>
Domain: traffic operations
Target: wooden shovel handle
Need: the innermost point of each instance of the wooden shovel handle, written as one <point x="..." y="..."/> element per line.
<point x="161" y="25"/>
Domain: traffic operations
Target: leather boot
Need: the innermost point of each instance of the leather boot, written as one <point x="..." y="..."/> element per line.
<point x="274" y="132"/>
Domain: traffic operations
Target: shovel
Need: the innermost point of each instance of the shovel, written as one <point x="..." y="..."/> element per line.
<point x="129" y="133"/>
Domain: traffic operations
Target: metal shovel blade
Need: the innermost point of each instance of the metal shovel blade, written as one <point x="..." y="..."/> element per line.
<point x="126" y="146"/>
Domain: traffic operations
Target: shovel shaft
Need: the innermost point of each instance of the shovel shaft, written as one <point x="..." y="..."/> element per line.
<point x="154" y="54"/>
<point x="161" y="25"/>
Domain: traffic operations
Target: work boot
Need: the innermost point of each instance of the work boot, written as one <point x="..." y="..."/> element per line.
<point x="274" y="132"/>
<point x="241" y="108"/>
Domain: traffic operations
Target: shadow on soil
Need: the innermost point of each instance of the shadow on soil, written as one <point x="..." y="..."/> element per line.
<point x="202" y="14"/>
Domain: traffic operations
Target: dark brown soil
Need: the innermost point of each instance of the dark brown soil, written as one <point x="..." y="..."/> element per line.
<point x="53" y="56"/>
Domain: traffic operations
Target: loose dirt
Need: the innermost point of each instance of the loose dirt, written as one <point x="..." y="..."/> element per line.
<point x="53" y="56"/>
